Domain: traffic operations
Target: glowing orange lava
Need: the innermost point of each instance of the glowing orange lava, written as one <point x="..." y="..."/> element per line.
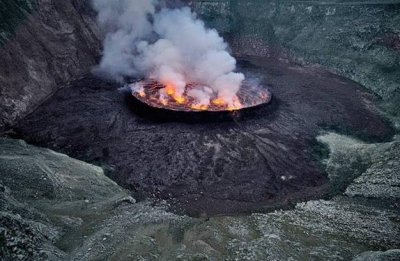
<point x="218" y="101"/>
<point x="142" y="94"/>
<point x="233" y="105"/>
<point x="199" y="107"/>
<point x="166" y="96"/>
<point x="170" y="89"/>
<point x="179" y="99"/>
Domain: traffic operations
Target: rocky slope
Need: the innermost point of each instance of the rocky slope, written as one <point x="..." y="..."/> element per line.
<point x="44" y="45"/>
<point x="357" y="39"/>
<point x="47" y="43"/>
<point x="79" y="214"/>
<point x="53" y="207"/>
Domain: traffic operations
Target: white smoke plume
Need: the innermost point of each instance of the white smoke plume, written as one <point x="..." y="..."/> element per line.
<point x="171" y="46"/>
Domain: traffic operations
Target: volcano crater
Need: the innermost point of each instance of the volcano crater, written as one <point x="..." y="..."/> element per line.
<point x="254" y="161"/>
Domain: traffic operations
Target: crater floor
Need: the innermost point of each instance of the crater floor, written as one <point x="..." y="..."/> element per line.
<point x="253" y="162"/>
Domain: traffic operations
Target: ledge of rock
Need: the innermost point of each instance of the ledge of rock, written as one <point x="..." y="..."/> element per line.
<point x="55" y="207"/>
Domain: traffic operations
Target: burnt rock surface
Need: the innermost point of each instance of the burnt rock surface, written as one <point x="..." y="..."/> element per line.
<point x="246" y="164"/>
<point x="44" y="44"/>
<point x="79" y="214"/>
<point x="358" y="39"/>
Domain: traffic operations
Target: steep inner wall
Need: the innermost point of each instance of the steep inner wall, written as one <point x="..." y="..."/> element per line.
<point x="44" y="44"/>
<point x="357" y="39"/>
<point x="12" y="12"/>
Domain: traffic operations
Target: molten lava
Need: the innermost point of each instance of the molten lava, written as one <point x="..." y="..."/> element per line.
<point x="166" y="96"/>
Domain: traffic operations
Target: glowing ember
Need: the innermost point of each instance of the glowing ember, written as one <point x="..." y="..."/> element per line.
<point x="162" y="96"/>
<point x="197" y="107"/>
<point x="218" y="102"/>
<point x="142" y="94"/>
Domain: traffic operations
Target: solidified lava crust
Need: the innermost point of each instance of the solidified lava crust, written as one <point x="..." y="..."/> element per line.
<point x="251" y="163"/>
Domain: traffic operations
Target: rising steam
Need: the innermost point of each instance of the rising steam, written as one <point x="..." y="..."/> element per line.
<point x="171" y="46"/>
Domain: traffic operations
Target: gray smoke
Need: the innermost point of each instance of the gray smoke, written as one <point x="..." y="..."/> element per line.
<point x="171" y="46"/>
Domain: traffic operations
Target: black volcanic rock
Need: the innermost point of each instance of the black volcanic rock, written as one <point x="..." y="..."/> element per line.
<point x="43" y="46"/>
<point x="249" y="163"/>
<point x="359" y="40"/>
<point x="53" y="207"/>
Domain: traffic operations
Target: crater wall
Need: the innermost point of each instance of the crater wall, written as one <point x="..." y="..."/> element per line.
<point x="357" y="39"/>
<point x="43" y="45"/>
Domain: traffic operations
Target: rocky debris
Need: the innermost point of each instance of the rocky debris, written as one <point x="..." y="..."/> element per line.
<point x="53" y="175"/>
<point x="381" y="179"/>
<point x="254" y="161"/>
<point x="58" y="41"/>
<point x="102" y="221"/>
<point x="357" y="39"/>
<point x="390" y="255"/>
<point x="43" y="194"/>
<point x="337" y="229"/>
<point x="12" y="14"/>
<point x="53" y="207"/>
<point x="25" y="233"/>
<point x="374" y="168"/>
